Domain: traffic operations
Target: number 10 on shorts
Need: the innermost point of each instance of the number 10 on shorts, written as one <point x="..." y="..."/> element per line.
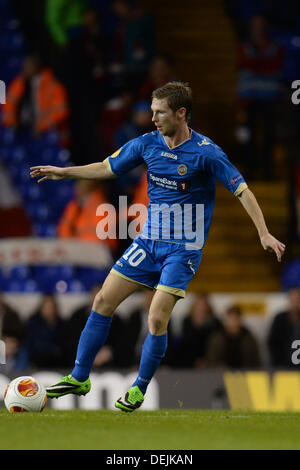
<point x="134" y="256"/>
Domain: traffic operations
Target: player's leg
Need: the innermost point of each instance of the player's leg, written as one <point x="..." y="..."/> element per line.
<point x="114" y="290"/>
<point x="178" y="266"/>
<point x="154" y="349"/>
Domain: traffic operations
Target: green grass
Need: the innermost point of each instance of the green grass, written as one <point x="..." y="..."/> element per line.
<point x="154" y="430"/>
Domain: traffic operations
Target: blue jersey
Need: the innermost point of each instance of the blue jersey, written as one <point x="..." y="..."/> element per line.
<point x="181" y="184"/>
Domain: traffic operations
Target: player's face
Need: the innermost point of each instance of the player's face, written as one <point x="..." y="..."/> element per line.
<point x="165" y="119"/>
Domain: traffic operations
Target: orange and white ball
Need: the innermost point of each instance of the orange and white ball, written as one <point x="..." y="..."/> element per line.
<point x="25" y="394"/>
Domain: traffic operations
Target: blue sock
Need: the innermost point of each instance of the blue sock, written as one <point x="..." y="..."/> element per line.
<point x="93" y="337"/>
<point x="154" y="349"/>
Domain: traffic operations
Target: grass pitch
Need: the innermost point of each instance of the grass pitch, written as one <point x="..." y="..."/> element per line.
<point x="153" y="430"/>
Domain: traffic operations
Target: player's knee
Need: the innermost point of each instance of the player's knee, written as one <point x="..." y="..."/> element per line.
<point x="157" y="325"/>
<point x="102" y="305"/>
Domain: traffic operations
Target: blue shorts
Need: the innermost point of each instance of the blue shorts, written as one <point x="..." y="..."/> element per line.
<point x="158" y="264"/>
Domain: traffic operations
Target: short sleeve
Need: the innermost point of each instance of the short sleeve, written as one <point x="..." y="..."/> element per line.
<point x="126" y="158"/>
<point x="217" y="164"/>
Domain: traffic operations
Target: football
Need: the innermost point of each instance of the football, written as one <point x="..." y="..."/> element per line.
<point x="25" y="394"/>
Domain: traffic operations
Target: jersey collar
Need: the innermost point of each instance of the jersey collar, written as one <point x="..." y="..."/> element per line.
<point x="181" y="143"/>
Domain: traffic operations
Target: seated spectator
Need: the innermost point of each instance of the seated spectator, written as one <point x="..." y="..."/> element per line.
<point x="37" y="101"/>
<point x="197" y="328"/>
<point x="11" y="324"/>
<point x="260" y="65"/>
<point x="285" y="328"/>
<point x="79" y="219"/>
<point x="233" y="346"/>
<point x="16" y="357"/>
<point x="45" y="338"/>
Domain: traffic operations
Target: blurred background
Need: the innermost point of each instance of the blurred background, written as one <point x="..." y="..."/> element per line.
<point x="79" y="76"/>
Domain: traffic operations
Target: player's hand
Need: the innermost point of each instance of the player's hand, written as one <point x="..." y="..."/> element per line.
<point x="47" y="172"/>
<point x="271" y="244"/>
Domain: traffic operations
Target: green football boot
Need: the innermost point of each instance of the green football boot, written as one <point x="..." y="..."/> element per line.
<point x="68" y="385"/>
<point x="133" y="399"/>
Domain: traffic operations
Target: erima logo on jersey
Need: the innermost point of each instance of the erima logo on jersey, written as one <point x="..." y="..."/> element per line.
<point x="204" y="142"/>
<point x="170" y="155"/>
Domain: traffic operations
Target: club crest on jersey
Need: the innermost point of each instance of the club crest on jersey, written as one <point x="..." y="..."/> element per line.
<point x="182" y="170"/>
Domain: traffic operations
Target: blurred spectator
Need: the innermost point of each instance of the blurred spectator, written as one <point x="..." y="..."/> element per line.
<point x="16" y="358"/>
<point x="140" y="123"/>
<point x="80" y="219"/>
<point x="63" y="18"/>
<point x="37" y="101"/>
<point x="285" y="328"/>
<point x="11" y="324"/>
<point x="260" y="66"/>
<point x="233" y="346"/>
<point x="241" y="12"/>
<point x="134" y="40"/>
<point x="160" y="73"/>
<point x="45" y="338"/>
<point x="197" y="328"/>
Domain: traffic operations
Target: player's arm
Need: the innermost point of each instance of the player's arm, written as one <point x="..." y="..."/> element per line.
<point x="93" y="171"/>
<point x="268" y="242"/>
<point x="123" y="160"/>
